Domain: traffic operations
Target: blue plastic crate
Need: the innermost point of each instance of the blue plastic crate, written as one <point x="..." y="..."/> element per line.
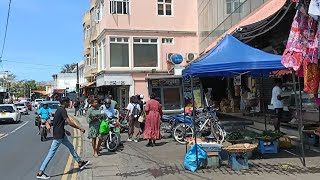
<point x="313" y="139"/>
<point x="268" y="147"/>
<point x="238" y="161"/>
<point x="213" y="161"/>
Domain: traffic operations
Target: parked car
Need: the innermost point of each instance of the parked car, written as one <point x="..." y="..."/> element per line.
<point x="37" y="102"/>
<point x="54" y="105"/>
<point x="22" y="108"/>
<point x="9" y="113"/>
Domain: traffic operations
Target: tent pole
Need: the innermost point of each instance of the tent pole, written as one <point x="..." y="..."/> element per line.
<point x="296" y="99"/>
<point x="184" y="110"/>
<point x="301" y="127"/>
<point x="262" y="102"/>
<point x="193" y="121"/>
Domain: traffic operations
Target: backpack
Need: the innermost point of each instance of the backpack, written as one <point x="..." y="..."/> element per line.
<point x="135" y="111"/>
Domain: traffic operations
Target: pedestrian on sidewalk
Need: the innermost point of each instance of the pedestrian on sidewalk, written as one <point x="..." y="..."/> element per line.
<point x="94" y="119"/>
<point x="59" y="136"/>
<point x="277" y="103"/>
<point x="133" y="116"/>
<point x="142" y="113"/>
<point x="76" y="106"/>
<point x="153" y="110"/>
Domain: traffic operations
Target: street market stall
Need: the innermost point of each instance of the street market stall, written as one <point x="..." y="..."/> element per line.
<point x="231" y="58"/>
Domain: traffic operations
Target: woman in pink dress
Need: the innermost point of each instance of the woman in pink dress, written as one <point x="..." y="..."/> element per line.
<point x="152" y="125"/>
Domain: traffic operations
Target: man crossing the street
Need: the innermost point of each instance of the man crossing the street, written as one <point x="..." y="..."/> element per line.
<point x="59" y="136"/>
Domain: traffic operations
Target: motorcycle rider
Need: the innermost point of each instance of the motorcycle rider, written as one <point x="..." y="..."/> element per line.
<point x="108" y="110"/>
<point x="44" y="114"/>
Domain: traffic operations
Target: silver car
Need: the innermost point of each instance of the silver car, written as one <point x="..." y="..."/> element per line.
<point x="22" y="108"/>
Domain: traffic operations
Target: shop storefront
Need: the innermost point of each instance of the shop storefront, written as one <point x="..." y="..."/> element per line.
<point x="120" y="86"/>
<point x="168" y="90"/>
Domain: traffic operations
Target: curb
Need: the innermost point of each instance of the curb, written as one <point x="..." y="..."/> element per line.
<point x="85" y="174"/>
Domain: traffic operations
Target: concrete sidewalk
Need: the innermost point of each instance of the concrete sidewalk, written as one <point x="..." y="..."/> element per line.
<point x="165" y="161"/>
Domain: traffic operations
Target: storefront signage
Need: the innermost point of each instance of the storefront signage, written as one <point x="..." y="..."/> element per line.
<point x="187" y="91"/>
<point x="176" y="58"/>
<point x="115" y="83"/>
<point x="165" y="82"/>
<point x="237" y="80"/>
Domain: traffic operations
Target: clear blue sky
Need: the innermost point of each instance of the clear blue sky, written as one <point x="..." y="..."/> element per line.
<point x="42" y="32"/>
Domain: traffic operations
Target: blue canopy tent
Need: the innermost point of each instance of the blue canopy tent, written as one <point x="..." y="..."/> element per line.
<point x="232" y="57"/>
<point x="229" y="58"/>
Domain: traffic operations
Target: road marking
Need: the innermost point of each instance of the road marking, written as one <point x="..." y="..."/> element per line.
<point x="68" y="165"/>
<point x="13" y="131"/>
<point x="70" y="159"/>
<point x="75" y="165"/>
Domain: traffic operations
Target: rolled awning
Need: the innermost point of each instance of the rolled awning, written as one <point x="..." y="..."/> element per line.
<point x="266" y="10"/>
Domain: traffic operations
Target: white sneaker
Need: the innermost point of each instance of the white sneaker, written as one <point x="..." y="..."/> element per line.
<point x="129" y="140"/>
<point x="43" y="176"/>
<point x="135" y="140"/>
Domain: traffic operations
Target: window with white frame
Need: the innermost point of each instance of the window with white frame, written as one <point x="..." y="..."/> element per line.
<point x="102" y="8"/>
<point x="98" y="14"/>
<point x="167" y="40"/>
<point x="88" y="60"/>
<point x="100" y="57"/>
<point x="119" y="6"/>
<point x="87" y="32"/>
<point x="145" y="52"/>
<point x="104" y="52"/>
<point x="165" y="7"/>
<point x="233" y="6"/>
<point x="119" y="52"/>
<point x="94" y="52"/>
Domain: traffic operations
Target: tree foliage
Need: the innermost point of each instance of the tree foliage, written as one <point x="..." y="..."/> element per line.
<point x="68" y="68"/>
<point x="22" y="88"/>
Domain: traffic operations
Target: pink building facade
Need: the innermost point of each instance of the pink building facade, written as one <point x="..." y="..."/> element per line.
<point x="132" y="45"/>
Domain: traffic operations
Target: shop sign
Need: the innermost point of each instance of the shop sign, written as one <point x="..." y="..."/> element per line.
<point x="237" y="80"/>
<point x="176" y="58"/>
<point x="116" y="83"/>
<point x="187" y="91"/>
<point x="165" y="82"/>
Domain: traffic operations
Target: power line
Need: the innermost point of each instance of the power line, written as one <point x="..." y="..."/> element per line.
<point x="5" y="32"/>
<point x="36" y="64"/>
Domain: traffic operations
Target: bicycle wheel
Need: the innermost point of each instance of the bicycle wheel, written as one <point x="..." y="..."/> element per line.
<point x="218" y="132"/>
<point x="181" y="132"/>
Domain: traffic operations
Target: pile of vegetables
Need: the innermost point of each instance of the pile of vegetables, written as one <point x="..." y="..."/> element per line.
<point x="270" y="134"/>
<point x="241" y="136"/>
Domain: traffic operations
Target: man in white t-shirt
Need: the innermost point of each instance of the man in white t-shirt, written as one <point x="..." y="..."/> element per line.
<point x="277" y="103"/>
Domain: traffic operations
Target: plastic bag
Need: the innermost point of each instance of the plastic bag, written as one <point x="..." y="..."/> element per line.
<point x="104" y="127"/>
<point x="190" y="160"/>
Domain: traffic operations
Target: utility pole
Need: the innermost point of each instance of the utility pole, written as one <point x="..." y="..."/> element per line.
<point x="77" y="85"/>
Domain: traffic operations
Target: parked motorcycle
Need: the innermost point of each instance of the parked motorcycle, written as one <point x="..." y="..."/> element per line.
<point x="166" y="126"/>
<point x="112" y="139"/>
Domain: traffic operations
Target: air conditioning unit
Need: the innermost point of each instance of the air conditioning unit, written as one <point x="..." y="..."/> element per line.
<point x="169" y="56"/>
<point x="191" y="56"/>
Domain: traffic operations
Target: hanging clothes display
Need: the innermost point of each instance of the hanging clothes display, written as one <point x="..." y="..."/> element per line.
<point x="311" y="77"/>
<point x="302" y="50"/>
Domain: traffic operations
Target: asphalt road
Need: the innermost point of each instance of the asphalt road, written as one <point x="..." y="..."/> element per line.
<point x="22" y="152"/>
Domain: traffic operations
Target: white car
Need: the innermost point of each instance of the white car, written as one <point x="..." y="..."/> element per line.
<point x="9" y="113"/>
<point x="37" y="102"/>
<point x="22" y="108"/>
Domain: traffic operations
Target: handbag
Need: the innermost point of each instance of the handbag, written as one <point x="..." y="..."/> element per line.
<point x="142" y="117"/>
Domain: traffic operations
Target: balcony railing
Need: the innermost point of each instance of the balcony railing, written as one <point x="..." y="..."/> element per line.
<point x="210" y="35"/>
